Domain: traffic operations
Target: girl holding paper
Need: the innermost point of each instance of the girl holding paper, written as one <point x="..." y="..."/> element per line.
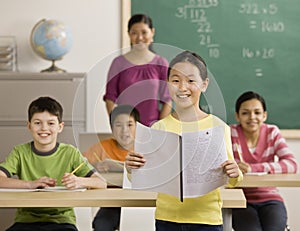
<point x="187" y="80"/>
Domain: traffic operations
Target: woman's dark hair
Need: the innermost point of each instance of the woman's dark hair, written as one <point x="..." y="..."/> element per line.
<point x="136" y="18"/>
<point x="124" y="109"/>
<point x="193" y="58"/>
<point x="248" y="96"/>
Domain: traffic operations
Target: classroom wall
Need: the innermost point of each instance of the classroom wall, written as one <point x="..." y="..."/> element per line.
<point x="95" y="25"/>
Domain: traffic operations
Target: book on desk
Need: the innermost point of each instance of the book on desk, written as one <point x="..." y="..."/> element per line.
<point x="46" y="189"/>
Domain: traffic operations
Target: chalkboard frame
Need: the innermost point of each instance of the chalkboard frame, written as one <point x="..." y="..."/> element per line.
<point x="125" y="15"/>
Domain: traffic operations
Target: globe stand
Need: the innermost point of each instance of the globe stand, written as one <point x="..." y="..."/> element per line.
<point x="54" y="68"/>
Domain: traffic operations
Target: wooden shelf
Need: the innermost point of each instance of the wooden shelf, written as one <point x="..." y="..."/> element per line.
<point x="38" y="75"/>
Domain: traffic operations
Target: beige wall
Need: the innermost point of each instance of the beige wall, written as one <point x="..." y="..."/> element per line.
<point x="95" y="25"/>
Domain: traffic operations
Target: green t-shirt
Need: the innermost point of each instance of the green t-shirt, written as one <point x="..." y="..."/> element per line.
<point x="28" y="163"/>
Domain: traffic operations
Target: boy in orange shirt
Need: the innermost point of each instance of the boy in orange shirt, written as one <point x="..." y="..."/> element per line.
<point x="123" y="120"/>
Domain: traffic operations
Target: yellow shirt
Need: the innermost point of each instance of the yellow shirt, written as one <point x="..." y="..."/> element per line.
<point x="201" y="210"/>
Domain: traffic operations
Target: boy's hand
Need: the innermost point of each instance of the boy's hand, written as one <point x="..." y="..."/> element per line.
<point x="231" y="168"/>
<point x="71" y="181"/>
<point x="134" y="161"/>
<point x="43" y="182"/>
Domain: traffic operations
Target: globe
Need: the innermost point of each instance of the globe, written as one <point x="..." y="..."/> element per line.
<point x="51" y="40"/>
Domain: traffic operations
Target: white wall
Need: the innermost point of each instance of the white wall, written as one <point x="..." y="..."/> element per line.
<point x="95" y="25"/>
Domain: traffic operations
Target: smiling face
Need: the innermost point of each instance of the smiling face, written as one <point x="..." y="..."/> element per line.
<point x="251" y="116"/>
<point x="44" y="128"/>
<point x="141" y="35"/>
<point x="123" y="130"/>
<point x="186" y="85"/>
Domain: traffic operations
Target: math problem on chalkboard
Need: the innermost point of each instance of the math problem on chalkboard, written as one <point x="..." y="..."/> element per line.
<point x="248" y="45"/>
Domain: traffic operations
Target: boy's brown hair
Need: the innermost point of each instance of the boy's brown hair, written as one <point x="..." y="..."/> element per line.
<point x="45" y="103"/>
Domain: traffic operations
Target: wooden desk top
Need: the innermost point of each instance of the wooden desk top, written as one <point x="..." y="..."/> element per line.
<point x="232" y="198"/>
<point x="271" y="180"/>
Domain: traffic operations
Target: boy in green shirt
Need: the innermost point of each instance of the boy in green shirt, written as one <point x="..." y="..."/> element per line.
<point x="46" y="163"/>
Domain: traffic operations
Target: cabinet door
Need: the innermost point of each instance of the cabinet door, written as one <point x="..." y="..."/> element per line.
<point x="16" y="95"/>
<point x="7" y="217"/>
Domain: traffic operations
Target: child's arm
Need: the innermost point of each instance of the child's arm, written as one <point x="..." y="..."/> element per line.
<point x="94" y="181"/>
<point x="42" y="182"/>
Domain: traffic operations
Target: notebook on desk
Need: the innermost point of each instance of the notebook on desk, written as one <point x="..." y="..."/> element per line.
<point x="47" y="189"/>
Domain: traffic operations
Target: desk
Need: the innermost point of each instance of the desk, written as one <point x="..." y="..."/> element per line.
<point x="271" y="180"/>
<point x="232" y="198"/>
<point x="88" y="198"/>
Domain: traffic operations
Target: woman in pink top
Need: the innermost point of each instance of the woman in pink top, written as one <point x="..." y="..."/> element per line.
<point x="139" y="77"/>
<point x="255" y="146"/>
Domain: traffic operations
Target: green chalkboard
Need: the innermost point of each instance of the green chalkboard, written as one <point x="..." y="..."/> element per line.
<point x="248" y="45"/>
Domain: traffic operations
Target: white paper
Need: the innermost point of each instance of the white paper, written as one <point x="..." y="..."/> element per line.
<point x="203" y="154"/>
<point x="161" y="172"/>
<point x="202" y="157"/>
<point x="47" y="189"/>
<point x="16" y="190"/>
<point x="256" y="173"/>
<point x="60" y="189"/>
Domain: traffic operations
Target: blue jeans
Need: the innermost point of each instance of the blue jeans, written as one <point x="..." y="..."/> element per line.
<point x="172" y="226"/>
<point x="265" y="216"/>
<point x="107" y="219"/>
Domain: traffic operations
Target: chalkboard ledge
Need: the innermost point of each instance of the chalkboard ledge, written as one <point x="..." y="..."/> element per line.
<point x="290" y="133"/>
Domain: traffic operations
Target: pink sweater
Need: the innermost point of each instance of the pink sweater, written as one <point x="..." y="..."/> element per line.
<point x="142" y="86"/>
<point x="269" y="145"/>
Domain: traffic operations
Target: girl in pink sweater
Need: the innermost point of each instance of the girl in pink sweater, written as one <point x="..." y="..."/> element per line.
<point x="255" y="146"/>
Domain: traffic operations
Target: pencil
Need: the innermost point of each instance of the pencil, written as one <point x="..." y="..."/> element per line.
<point x="78" y="167"/>
<point x="240" y="155"/>
<point x="96" y="156"/>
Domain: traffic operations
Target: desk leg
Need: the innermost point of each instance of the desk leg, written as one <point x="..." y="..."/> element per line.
<point x="227" y="219"/>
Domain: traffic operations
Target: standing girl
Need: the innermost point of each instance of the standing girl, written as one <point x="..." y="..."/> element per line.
<point x="187" y="79"/>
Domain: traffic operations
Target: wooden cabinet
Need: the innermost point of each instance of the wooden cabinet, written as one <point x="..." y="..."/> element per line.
<point x="17" y="90"/>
